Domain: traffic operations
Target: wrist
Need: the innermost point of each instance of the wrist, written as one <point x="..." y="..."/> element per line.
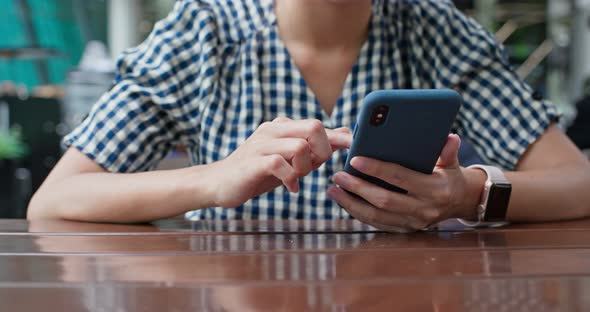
<point x="475" y="182"/>
<point x="201" y="187"/>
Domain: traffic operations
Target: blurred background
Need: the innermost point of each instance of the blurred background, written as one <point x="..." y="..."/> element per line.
<point x="57" y="57"/>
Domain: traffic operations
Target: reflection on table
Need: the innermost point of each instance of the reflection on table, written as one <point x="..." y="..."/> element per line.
<point x="293" y="266"/>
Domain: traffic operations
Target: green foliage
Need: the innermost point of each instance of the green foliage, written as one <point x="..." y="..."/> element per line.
<point x="11" y="145"/>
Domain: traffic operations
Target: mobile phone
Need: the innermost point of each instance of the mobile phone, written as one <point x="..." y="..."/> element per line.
<point x="405" y="127"/>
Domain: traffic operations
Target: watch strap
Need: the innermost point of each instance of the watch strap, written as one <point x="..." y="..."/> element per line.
<point x="495" y="176"/>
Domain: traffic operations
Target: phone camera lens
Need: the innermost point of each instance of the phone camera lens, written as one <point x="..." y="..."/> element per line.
<point x="379" y="115"/>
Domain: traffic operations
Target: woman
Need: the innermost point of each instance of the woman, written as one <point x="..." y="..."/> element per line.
<point x="251" y="88"/>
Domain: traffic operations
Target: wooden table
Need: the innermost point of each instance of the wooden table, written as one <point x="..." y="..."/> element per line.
<point x="291" y="266"/>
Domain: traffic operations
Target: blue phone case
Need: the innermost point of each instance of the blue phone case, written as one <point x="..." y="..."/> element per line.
<point x="413" y="133"/>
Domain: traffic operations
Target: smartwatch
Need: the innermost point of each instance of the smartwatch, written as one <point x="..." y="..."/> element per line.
<point x="494" y="198"/>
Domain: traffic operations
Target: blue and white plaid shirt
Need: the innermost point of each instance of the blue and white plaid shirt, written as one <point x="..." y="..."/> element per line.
<point x="214" y="70"/>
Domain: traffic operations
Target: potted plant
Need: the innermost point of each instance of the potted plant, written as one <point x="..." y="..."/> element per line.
<point x="11" y="146"/>
<point x="12" y="150"/>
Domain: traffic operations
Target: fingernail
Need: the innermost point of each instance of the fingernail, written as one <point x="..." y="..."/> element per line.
<point x="296" y="187"/>
<point x="339" y="178"/>
<point x="293" y="187"/>
<point x="358" y="164"/>
<point x="332" y="193"/>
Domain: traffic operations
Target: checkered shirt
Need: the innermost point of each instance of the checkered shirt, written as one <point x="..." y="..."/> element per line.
<point x="214" y="70"/>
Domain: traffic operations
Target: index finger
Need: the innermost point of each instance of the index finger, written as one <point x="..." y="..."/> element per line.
<point x="340" y="138"/>
<point x="394" y="174"/>
<point x="314" y="132"/>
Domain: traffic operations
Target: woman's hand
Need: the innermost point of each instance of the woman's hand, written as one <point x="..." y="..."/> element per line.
<point x="278" y="152"/>
<point x="450" y="192"/>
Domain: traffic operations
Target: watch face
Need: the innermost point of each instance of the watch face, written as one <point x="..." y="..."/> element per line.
<point x="498" y="201"/>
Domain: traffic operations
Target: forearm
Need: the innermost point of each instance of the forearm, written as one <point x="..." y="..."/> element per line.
<point x="550" y="194"/>
<point x="123" y="198"/>
<point x="551" y="181"/>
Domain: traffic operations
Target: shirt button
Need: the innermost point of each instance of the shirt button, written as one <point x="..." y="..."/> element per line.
<point x="537" y="96"/>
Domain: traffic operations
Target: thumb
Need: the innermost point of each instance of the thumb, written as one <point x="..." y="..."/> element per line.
<point x="449" y="157"/>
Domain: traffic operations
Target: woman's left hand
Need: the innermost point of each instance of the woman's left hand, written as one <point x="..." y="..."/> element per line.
<point x="450" y="192"/>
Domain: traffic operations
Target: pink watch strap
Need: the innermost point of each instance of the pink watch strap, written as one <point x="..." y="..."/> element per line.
<point x="494" y="175"/>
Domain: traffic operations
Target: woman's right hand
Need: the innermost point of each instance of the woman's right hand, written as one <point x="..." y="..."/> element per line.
<point x="278" y="152"/>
